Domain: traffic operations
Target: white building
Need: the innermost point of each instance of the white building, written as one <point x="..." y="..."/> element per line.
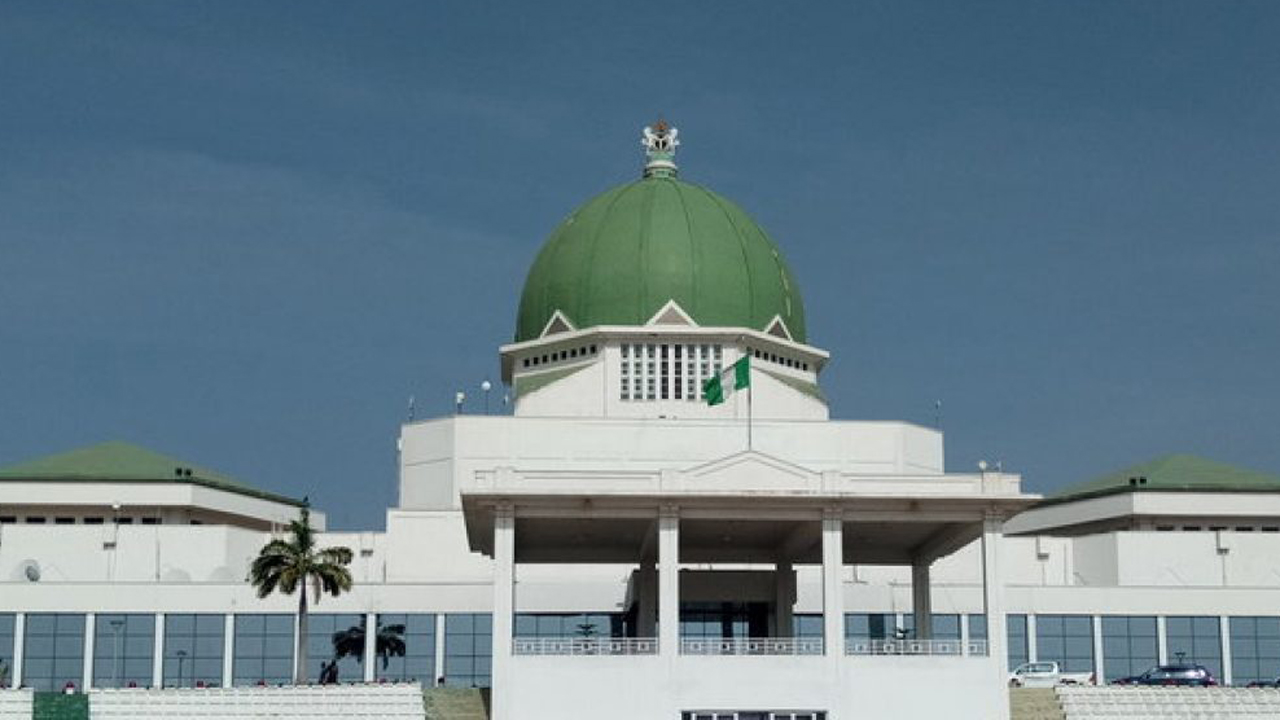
<point x="618" y="543"/>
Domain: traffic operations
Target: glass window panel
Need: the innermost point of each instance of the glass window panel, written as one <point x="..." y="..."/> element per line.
<point x="1066" y="639"/>
<point x="53" y="651"/>
<point x="263" y="650"/>
<point x="467" y="642"/>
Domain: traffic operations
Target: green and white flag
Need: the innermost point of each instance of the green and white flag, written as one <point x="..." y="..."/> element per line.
<point x="735" y="377"/>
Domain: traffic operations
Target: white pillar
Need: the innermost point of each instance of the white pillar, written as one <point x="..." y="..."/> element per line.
<point x="669" y="583"/>
<point x="504" y="568"/>
<point x="1162" y="641"/>
<point x="157" y="653"/>
<point x="832" y="585"/>
<point x="964" y="634"/>
<point x="784" y="598"/>
<point x="439" y="648"/>
<point x="921" y="601"/>
<point x="1224" y="632"/>
<point x="993" y="604"/>
<point x="228" y="648"/>
<point x="90" y="623"/>
<point x="371" y="649"/>
<point x="19" y="648"/>
<point x="1099" y="662"/>
<point x="1033" y="643"/>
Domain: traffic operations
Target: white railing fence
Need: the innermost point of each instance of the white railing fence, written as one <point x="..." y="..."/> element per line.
<point x="585" y="646"/>
<point x="857" y="646"/>
<point x="751" y="646"/>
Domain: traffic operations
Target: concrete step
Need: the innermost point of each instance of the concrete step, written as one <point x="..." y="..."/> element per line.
<point x="456" y="703"/>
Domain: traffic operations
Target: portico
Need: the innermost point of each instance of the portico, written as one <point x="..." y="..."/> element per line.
<point x="691" y="545"/>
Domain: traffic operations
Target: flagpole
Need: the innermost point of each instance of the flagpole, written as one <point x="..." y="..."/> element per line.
<point x="749" y="393"/>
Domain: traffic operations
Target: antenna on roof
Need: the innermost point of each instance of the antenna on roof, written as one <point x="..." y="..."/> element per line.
<point x="411" y="408"/>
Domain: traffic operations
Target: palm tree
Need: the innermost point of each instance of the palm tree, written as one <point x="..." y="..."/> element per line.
<point x="292" y="564"/>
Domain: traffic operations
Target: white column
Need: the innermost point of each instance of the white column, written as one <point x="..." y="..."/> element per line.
<point x="921" y="601"/>
<point x="832" y="585"/>
<point x="228" y="648"/>
<point x="504" y="568"/>
<point x="157" y="653"/>
<point x="19" y="648"/>
<point x="1033" y="643"/>
<point x="371" y="649"/>
<point x="964" y="634"/>
<point x="784" y="598"/>
<point x="439" y="648"/>
<point x="993" y="597"/>
<point x="1099" y="662"/>
<point x="669" y="583"/>
<point x="993" y="604"/>
<point x="1162" y="642"/>
<point x="1224" y="632"/>
<point x="90" y="623"/>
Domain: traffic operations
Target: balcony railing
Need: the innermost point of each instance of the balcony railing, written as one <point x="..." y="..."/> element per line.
<point x="915" y="647"/>
<point x="585" y="646"/>
<point x="751" y="646"/>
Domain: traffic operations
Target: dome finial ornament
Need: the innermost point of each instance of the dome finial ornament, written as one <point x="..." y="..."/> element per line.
<point x="660" y="142"/>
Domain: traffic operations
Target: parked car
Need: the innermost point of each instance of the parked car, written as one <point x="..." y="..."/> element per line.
<point x="1133" y="679"/>
<point x="1185" y="675"/>
<point x="1274" y="682"/>
<point x="1046" y="674"/>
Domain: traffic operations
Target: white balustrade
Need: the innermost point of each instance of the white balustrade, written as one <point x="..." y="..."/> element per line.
<point x="751" y="646"/>
<point x="933" y="646"/>
<point x="585" y="646"/>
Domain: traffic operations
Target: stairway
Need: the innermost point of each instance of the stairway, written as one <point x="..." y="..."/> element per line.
<point x="445" y="703"/>
<point x="1034" y="704"/>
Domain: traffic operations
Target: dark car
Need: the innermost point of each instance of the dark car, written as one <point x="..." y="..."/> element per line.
<point x="1186" y="675"/>
<point x="1275" y="682"/>
<point x="1132" y="679"/>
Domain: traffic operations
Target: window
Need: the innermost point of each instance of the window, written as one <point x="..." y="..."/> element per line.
<point x="977" y="627"/>
<point x="6" y="647"/>
<point x="1128" y="645"/>
<point x="150" y="521"/>
<point x="1016" y="627"/>
<point x="1068" y="639"/>
<point x="871" y="626"/>
<point x="123" y="650"/>
<point x="1255" y="649"/>
<point x="724" y="620"/>
<point x="418" y="662"/>
<point x="806" y="626"/>
<point x="1194" y="640"/>
<point x="35" y="520"/>
<point x="53" y="651"/>
<point x="263" y="650"/>
<point x="336" y="638"/>
<point x="945" y="627"/>
<point x="7" y="519"/>
<point x="569" y="625"/>
<point x="64" y="521"/>
<point x="93" y="521"/>
<point x="468" y="649"/>
<point x="193" y="647"/>
<point x="124" y="521"/>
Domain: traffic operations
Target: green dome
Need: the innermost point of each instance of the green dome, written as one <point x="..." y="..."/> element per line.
<point x="620" y="257"/>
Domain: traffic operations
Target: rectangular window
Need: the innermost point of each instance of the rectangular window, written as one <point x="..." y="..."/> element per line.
<point x="6" y="648"/>
<point x="626" y="389"/>
<point x="945" y="626"/>
<point x="1066" y="639"/>
<point x="1194" y="640"/>
<point x="570" y="625"/>
<point x="468" y="649"/>
<point x="193" y="647"/>
<point x="53" y="651"/>
<point x="977" y="626"/>
<point x="1016" y="627"/>
<point x="336" y="638"/>
<point x="1128" y="645"/>
<point x="263" y="650"/>
<point x="123" y="650"/>
<point x="872" y="626"/>
<point x="664" y="387"/>
<point x="64" y="521"/>
<point x="415" y="634"/>
<point x="806" y="626"/>
<point x="1255" y="649"/>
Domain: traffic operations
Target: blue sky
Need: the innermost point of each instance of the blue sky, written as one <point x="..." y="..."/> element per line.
<point x="245" y="233"/>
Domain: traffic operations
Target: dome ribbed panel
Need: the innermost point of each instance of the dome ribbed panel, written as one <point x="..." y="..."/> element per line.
<point x="620" y="257"/>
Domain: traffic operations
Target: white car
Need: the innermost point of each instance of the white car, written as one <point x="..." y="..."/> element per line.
<point x="1046" y="675"/>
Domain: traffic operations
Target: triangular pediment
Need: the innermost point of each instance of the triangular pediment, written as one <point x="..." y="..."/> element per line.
<point x="778" y="328"/>
<point x="750" y="470"/>
<point x="672" y="314"/>
<point x="557" y="324"/>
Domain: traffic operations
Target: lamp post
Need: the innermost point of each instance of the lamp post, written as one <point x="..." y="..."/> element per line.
<point x="116" y="627"/>
<point x="182" y="655"/>
<point x="485" y="387"/>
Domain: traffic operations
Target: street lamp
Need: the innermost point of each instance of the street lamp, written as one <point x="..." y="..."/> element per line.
<point x="116" y="627"/>
<point x="485" y="387"/>
<point x="182" y="655"/>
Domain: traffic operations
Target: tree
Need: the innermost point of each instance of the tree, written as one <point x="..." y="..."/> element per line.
<point x="290" y="564"/>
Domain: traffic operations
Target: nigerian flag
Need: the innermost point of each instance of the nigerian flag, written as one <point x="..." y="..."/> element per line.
<point x="735" y="377"/>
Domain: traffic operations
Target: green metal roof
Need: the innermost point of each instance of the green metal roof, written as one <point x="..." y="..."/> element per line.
<point x="1173" y="473"/>
<point x="621" y="256"/>
<point x="123" y="462"/>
